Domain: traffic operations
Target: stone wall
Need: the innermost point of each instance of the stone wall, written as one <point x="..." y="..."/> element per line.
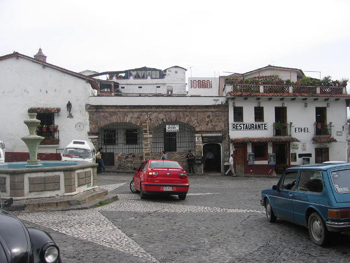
<point x="209" y="119"/>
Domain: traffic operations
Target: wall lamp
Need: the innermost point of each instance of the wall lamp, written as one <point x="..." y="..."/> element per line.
<point x="305" y="104"/>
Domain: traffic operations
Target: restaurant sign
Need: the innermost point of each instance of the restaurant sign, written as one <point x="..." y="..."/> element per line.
<point x="248" y="126"/>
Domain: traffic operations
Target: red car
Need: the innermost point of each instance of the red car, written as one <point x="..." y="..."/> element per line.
<point x="160" y="177"/>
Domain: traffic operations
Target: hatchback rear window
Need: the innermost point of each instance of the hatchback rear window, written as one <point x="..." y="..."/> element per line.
<point x="164" y="164"/>
<point x="341" y="181"/>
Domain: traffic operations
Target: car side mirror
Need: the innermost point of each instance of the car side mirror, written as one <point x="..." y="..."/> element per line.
<point x="274" y="187"/>
<point x="135" y="169"/>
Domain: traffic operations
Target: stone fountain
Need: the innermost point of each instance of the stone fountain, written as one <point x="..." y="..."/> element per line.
<point x="46" y="180"/>
<point x="32" y="140"/>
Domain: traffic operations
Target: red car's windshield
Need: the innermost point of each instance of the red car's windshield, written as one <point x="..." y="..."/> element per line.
<point x="164" y="164"/>
<point x="341" y="181"/>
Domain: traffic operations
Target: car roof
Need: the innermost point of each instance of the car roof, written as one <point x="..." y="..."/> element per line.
<point x="321" y="166"/>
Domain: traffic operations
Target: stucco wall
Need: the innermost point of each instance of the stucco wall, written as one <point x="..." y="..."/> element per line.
<point x="25" y="84"/>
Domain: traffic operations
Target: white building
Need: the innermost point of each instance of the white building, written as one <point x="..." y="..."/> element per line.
<point x="32" y="85"/>
<point x="276" y="125"/>
<point x="171" y="81"/>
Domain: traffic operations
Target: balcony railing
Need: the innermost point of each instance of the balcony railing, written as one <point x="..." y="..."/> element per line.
<point x="283" y="89"/>
<point x="322" y="129"/>
<point x="281" y="129"/>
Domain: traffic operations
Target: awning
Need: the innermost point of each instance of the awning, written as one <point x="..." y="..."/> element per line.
<point x="321" y="139"/>
<point x="275" y="139"/>
<point x="43" y="110"/>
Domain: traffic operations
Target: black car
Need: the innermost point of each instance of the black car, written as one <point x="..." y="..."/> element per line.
<point x="25" y="245"/>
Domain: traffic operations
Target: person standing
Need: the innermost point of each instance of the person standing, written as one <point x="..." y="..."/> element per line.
<point x="190" y="161"/>
<point x="101" y="165"/>
<point x="164" y="156"/>
<point x="232" y="165"/>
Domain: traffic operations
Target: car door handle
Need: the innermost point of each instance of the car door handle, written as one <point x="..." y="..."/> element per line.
<point x="291" y="194"/>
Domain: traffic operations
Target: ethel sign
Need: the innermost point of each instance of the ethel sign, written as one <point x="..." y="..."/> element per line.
<point x="248" y="126"/>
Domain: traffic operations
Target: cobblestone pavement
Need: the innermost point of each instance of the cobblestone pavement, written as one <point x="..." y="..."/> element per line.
<point x="220" y="221"/>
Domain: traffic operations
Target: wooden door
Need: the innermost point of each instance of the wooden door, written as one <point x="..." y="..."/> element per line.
<point x="241" y="158"/>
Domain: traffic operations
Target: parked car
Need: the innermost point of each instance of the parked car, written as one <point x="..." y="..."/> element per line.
<point x="315" y="196"/>
<point x="25" y="245"/>
<point x="160" y="177"/>
<point x="79" y="150"/>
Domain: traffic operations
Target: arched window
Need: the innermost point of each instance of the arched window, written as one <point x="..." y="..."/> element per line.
<point x="173" y="137"/>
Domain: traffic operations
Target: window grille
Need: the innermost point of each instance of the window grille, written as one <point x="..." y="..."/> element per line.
<point x="180" y="141"/>
<point x="121" y="138"/>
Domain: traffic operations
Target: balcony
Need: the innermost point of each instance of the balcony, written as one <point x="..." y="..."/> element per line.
<point x="285" y="90"/>
<point x="281" y="129"/>
<point x="321" y="129"/>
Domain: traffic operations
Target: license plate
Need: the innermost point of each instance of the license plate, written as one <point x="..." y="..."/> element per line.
<point x="167" y="188"/>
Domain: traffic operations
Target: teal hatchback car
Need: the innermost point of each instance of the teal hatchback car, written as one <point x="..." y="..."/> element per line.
<point x="315" y="196"/>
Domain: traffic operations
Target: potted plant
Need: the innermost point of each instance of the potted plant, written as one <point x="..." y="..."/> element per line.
<point x="53" y="127"/>
<point x="44" y="128"/>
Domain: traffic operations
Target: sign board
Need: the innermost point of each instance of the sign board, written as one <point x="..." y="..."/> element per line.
<point x="241" y="126"/>
<point x="209" y="139"/>
<point x="172" y="128"/>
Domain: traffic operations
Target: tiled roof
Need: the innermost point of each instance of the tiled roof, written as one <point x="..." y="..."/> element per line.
<point x="264" y="139"/>
<point x="289" y="95"/>
<point x="324" y="139"/>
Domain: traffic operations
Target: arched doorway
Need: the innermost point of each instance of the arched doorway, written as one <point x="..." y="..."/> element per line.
<point x="212" y="165"/>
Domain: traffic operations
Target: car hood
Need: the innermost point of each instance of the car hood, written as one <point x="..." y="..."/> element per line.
<point x="14" y="238"/>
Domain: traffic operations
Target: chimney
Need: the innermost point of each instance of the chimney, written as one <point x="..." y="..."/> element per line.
<point x="40" y="56"/>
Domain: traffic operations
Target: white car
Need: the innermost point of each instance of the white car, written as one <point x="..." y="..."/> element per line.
<point x="79" y="150"/>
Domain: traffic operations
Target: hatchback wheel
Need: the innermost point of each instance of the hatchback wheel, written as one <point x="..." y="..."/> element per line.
<point x="317" y="229"/>
<point x="269" y="212"/>
<point x="182" y="197"/>
<point x="132" y="187"/>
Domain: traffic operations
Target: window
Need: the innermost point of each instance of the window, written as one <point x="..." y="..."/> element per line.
<point x="140" y="87"/>
<point x="321" y="155"/>
<point x="341" y="181"/>
<point x="47" y="129"/>
<point x="238" y="114"/>
<point x="310" y="181"/>
<point x="259" y="114"/>
<point x="122" y="87"/>
<point x="121" y="138"/>
<point x="260" y="151"/>
<point x="180" y="141"/>
<point x="289" y="180"/>
<point x="158" y="87"/>
<point x="131" y="136"/>
<point x="109" y="137"/>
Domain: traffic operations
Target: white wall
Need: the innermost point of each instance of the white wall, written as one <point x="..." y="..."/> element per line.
<point x="25" y="84"/>
<point x="303" y="119"/>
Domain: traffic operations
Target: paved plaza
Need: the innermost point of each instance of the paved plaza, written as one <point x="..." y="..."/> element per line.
<point x="220" y="221"/>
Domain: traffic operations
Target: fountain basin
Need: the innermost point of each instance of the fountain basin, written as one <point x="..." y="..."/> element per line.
<point x="51" y="178"/>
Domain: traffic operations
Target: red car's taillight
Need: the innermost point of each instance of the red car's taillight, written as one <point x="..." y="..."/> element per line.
<point x="338" y="214"/>
<point x="152" y="174"/>
<point x="182" y="175"/>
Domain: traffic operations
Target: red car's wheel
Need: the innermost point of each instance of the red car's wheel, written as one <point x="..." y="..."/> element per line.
<point x="182" y="197"/>
<point x="132" y="187"/>
<point x="142" y="194"/>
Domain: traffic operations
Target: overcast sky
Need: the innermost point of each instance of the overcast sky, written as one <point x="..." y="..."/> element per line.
<point x="209" y="38"/>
